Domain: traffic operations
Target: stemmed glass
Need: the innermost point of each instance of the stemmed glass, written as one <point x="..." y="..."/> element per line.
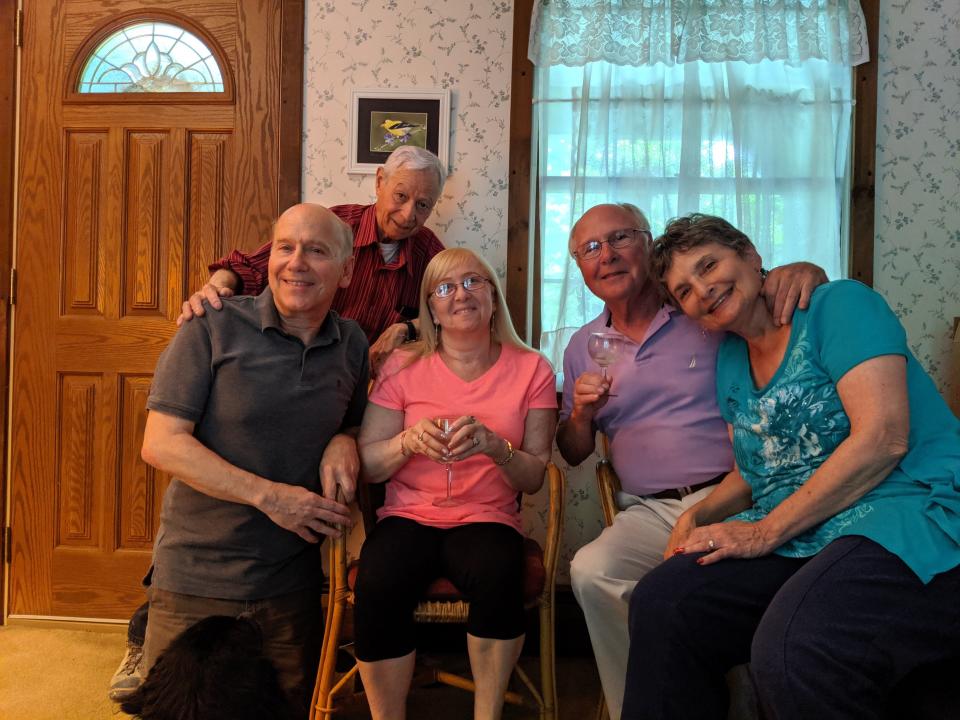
<point x="605" y="349"/>
<point x="445" y="422"/>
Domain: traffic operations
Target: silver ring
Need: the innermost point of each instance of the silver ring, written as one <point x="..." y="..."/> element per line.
<point x="711" y="544"/>
<point x="420" y="436"/>
<point x="476" y="441"/>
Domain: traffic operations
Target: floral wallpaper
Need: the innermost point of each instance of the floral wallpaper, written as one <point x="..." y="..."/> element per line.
<point x="917" y="250"/>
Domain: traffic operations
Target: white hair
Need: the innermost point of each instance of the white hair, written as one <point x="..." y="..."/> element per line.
<point x="415" y="158"/>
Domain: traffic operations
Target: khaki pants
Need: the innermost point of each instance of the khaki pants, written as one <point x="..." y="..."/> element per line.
<point x="604" y="572"/>
<point x="291" y="626"/>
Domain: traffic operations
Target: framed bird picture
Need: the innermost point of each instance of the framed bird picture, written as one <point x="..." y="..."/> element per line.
<point x="384" y="119"/>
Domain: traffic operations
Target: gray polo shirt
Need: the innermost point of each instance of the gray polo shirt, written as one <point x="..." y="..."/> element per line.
<point x="264" y="402"/>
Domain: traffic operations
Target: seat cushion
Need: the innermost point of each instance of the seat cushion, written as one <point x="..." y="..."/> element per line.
<point x="441" y="589"/>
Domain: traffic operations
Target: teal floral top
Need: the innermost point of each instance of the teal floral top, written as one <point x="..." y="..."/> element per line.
<point x="784" y="431"/>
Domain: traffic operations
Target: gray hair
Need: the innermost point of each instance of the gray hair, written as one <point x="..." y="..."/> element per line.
<point x="415" y="158"/>
<point x="636" y="213"/>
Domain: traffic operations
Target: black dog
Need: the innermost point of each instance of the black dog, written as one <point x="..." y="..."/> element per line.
<point x="214" y="670"/>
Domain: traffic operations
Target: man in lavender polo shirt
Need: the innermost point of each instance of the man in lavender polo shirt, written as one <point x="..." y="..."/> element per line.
<point x="669" y="444"/>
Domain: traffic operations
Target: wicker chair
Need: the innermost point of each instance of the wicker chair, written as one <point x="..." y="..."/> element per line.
<point x="743" y="697"/>
<point x="443" y="604"/>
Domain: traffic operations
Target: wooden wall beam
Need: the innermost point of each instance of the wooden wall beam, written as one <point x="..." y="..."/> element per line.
<point x="863" y="186"/>
<point x="519" y="225"/>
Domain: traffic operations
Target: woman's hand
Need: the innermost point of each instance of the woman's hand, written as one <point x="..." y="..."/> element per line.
<point x="734" y="539"/>
<point x="425" y="438"/>
<point x="471" y="437"/>
<point x="467" y="437"/>
<point x="685" y="525"/>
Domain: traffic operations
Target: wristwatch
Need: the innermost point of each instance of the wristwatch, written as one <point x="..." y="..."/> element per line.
<point x="411" y="331"/>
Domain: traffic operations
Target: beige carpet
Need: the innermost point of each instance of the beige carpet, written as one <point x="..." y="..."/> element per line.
<point x="48" y="674"/>
<point x="57" y="674"/>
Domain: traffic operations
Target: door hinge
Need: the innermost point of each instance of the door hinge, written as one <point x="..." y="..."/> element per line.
<point x="13" y="286"/>
<point x="7" y="545"/>
<point x="18" y="29"/>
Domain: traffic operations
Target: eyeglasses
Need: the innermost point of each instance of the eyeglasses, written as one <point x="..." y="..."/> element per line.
<point x="618" y="239"/>
<point x="474" y="283"/>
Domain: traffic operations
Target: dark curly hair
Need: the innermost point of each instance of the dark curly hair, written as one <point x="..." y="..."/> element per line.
<point x="690" y="231"/>
<point x="213" y="670"/>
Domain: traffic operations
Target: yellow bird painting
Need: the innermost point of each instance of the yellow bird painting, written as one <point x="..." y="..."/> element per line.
<point x="398" y="128"/>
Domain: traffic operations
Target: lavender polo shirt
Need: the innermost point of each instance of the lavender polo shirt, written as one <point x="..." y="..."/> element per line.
<point x="664" y="425"/>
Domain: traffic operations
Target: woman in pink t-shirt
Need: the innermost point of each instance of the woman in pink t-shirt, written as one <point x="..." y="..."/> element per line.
<point x="468" y="365"/>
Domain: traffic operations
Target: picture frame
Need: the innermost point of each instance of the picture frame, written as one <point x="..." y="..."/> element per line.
<point x="381" y="120"/>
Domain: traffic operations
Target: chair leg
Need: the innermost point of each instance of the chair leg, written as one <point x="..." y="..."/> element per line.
<point x="320" y="707"/>
<point x="602" y="713"/>
<point x="548" y="668"/>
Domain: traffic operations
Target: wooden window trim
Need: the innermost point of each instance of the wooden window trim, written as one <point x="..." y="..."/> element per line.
<point x="519" y="280"/>
<point x="863" y="181"/>
<point x="522" y="230"/>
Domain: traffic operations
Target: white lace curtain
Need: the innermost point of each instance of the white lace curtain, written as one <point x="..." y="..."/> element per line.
<point x="736" y="108"/>
<point x="646" y="32"/>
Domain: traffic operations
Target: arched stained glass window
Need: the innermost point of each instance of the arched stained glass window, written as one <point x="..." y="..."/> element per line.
<point x="151" y="57"/>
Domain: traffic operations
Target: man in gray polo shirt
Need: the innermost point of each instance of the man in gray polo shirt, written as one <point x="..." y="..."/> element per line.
<point x="243" y="406"/>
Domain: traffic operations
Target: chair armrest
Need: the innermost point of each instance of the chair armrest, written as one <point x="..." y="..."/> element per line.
<point x="608" y="485"/>
<point x="338" y="557"/>
<point x="551" y="549"/>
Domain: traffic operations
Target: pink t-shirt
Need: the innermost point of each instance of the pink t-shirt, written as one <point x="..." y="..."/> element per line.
<point x="500" y="398"/>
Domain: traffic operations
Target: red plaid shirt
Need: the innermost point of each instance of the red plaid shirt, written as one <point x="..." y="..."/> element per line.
<point x="379" y="294"/>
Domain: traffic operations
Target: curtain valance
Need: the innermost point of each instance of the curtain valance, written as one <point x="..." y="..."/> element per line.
<point x="647" y="32"/>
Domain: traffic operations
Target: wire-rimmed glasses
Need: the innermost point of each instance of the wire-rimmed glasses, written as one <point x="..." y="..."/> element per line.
<point x="618" y="239"/>
<point x="473" y="284"/>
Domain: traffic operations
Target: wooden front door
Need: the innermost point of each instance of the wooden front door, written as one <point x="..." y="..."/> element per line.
<point x="122" y="203"/>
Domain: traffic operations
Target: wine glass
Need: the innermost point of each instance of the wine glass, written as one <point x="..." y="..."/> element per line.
<point x="605" y="349"/>
<point x="445" y="422"/>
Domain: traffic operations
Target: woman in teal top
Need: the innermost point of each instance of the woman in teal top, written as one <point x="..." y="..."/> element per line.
<point x="830" y="556"/>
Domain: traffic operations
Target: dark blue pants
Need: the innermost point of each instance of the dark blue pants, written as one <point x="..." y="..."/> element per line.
<point x="826" y="637"/>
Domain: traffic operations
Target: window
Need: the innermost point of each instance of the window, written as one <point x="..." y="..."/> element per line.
<point x="151" y="57"/>
<point x="763" y="141"/>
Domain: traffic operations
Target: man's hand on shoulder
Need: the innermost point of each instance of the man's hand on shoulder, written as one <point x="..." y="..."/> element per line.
<point x="789" y="287"/>
<point x="222" y="283"/>
<point x="305" y="513"/>
<point x="339" y="467"/>
<point x="389" y="340"/>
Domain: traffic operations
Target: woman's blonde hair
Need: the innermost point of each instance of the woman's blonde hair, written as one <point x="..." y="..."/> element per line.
<point x="442" y="263"/>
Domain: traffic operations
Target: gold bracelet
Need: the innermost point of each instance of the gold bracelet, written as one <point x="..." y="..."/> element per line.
<point x="509" y="455"/>
<point x="403" y="450"/>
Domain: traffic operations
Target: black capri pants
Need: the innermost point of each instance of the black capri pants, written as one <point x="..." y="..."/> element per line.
<point x="400" y="559"/>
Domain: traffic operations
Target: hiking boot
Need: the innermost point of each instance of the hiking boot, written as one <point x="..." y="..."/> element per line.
<point x="127" y="678"/>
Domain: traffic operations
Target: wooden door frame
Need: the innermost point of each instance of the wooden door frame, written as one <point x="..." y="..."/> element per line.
<point x="9" y="12"/>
